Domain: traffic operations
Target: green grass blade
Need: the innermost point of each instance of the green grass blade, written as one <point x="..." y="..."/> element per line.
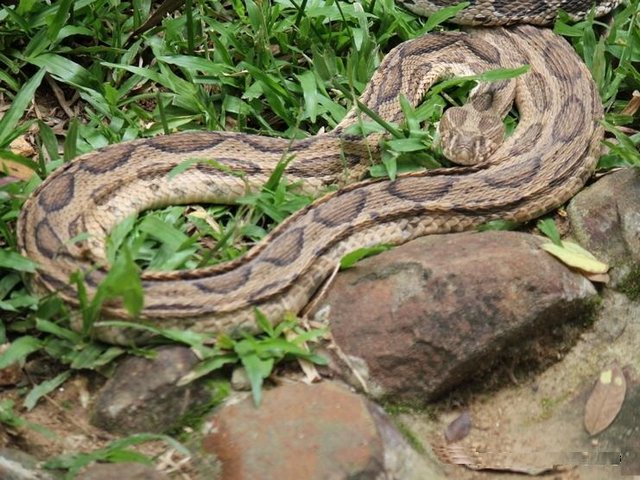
<point x="19" y="350"/>
<point x="43" y="389"/>
<point x="351" y="258"/>
<point x="548" y="227"/>
<point x="65" y="69"/>
<point x="443" y="15"/>
<point x="59" y="19"/>
<point x="10" y="119"/>
<point x="15" y="261"/>
<point x="71" y="141"/>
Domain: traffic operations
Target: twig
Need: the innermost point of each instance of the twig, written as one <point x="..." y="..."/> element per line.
<point x="320" y="294"/>
<point x="59" y="94"/>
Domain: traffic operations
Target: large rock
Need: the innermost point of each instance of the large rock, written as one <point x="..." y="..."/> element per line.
<point x="18" y="465"/>
<point x="142" y="395"/>
<point x="311" y="432"/>
<point x="605" y="219"/>
<point x="419" y="319"/>
<point x="539" y="421"/>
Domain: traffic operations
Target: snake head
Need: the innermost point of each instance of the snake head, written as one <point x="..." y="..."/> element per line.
<point x="468" y="137"/>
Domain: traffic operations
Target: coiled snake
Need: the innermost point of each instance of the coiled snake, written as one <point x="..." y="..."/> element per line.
<point x="548" y="158"/>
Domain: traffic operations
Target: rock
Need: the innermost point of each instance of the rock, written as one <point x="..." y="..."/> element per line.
<point x="541" y="417"/>
<point x="617" y="316"/>
<point x="121" y="471"/>
<point x="11" y="374"/>
<point x="623" y="435"/>
<point x="320" y="431"/>
<point x="428" y="315"/>
<point x="142" y="395"/>
<point x="240" y="380"/>
<point x="605" y="219"/>
<point x="18" y="465"/>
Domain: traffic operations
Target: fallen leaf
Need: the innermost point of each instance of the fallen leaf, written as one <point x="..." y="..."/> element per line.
<point x="20" y="146"/>
<point x="633" y="106"/>
<point x="597" y="277"/>
<point x="605" y="401"/>
<point x="21" y="150"/>
<point x="476" y="458"/>
<point x="311" y="374"/>
<point x="199" y="212"/>
<point x="15" y="169"/>
<point x="458" y="428"/>
<point x="575" y="256"/>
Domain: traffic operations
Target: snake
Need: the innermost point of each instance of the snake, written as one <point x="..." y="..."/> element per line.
<point x="66" y="221"/>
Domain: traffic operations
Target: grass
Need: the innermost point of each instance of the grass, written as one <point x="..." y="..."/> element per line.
<point x="78" y="75"/>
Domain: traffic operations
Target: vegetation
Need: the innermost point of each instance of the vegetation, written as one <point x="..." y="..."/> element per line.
<point x="78" y="75"/>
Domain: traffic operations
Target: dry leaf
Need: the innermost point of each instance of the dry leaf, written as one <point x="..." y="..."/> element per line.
<point x="311" y="374"/>
<point x="474" y="458"/>
<point x="20" y="146"/>
<point x="574" y="255"/>
<point x="605" y="400"/>
<point x="15" y="169"/>
<point x="201" y="213"/>
<point x="597" y="277"/>
<point x="633" y="106"/>
<point x="459" y="428"/>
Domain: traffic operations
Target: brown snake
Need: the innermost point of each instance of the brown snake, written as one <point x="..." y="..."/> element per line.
<point x="548" y="158"/>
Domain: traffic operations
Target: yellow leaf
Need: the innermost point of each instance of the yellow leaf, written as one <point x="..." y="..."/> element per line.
<point x="22" y="148"/>
<point x="15" y="169"/>
<point x="575" y="256"/>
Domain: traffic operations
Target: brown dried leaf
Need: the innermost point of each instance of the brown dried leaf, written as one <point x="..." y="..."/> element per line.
<point x="475" y="458"/>
<point x="15" y="169"/>
<point x="633" y="106"/>
<point x="597" y="277"/>
<point x="458" y="454"/>
<point x="459" y="428"/>
<point x="311" y="374"/>
<point x="21" y="146"/>
<point x="605" y="400"/>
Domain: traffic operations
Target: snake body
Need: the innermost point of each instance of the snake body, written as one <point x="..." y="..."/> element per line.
<point x="548" y="158"/>
<point x="509" y="12"/>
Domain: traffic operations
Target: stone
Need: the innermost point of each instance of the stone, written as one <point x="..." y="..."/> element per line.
<point x="605" y="219"/>
<point x="121" y="471"/>
<point x="142" y="395"/>
<point x="312" y="432"/>
<point x="424" y="317"/>
<point x="539" y="417"/>
<point x="623" y="435"/>
<point x="240" y="380"/>
<point x="18" y="465"/>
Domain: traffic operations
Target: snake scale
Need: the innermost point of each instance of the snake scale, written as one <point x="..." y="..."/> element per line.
<point x="548" y="158"/>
